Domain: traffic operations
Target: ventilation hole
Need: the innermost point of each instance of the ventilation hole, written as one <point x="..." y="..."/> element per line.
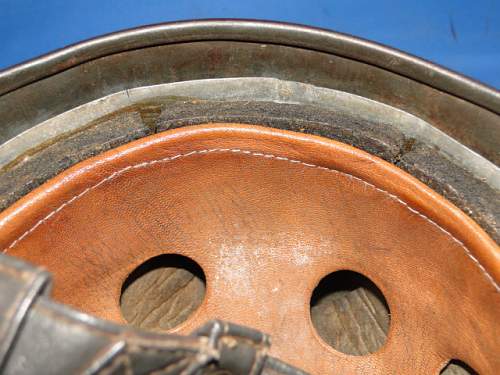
<point x="456" y="367"/>
<point x="162" y="292"/>
<point x="350" y="313"/>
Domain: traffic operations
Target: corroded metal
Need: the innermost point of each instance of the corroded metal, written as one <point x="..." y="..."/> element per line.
<point x="462" y="108"/>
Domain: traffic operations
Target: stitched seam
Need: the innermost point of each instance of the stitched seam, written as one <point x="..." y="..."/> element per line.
<point x="262" y="155"/>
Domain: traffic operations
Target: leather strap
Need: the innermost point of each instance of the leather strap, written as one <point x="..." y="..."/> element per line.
<point x="20" y="285"/>
<point x="38" y="336"/>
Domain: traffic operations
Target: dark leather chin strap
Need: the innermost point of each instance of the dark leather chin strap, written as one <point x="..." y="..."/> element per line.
<point x="39" y="336"/>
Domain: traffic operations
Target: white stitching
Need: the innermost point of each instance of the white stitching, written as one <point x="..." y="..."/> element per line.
<point x="259" y="154"/>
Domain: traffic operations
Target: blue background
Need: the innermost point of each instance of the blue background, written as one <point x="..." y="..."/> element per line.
<point x="461" y="35"/>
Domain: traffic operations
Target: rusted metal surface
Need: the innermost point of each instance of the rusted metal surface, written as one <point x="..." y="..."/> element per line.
<point x="259" y="32"/>
<point x="462" y="108"/>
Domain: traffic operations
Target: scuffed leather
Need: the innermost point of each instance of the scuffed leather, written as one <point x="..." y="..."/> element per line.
<point x="267" y="214"/>
<point x="40" y="337"/>
<point x="20" y="285"/>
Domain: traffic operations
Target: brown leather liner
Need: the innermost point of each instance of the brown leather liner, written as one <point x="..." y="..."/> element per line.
<point x="267" y="214"/>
